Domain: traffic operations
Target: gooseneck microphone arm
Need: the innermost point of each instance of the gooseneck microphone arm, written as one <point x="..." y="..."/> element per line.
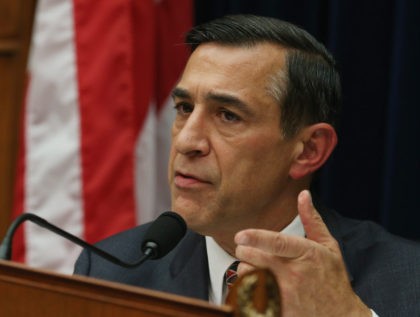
<point x="150" y="248"/>
<point x="6" y="246"/>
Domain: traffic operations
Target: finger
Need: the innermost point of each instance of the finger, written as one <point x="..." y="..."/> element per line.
<point x="253" y="257"/>
<point x="272" y="242"/>
<point x="244" y="268"/>
<point x="313" y="224"/>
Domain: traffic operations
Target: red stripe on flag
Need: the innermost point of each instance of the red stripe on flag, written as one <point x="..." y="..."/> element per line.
<point x="160" y="53"/>
<point x="175" y="19"/>
<point x="18" y="249"/>
<point x="104" y="59"/>
<point x="144" y="63"/>
<point x="160" y="57"/>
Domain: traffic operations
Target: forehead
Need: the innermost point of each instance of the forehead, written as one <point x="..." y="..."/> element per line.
<point x="235" y="67"/>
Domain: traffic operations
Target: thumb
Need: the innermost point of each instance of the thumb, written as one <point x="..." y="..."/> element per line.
<point x="313" y="224"/>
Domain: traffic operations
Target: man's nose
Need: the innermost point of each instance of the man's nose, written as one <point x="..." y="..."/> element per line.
<point x="192" y="138"/>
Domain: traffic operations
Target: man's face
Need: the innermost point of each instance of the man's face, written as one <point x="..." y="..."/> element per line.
<point x="229" y="163"/>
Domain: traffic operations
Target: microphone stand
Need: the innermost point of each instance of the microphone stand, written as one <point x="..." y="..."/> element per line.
<point x="6" y="246"/>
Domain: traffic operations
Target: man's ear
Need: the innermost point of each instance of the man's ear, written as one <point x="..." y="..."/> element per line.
<point x="315" y="145"/>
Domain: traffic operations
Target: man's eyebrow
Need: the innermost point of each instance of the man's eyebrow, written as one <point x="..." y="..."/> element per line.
<point x="229" y="100"/>
<point x="222" y="98"/>
<point x="178" y="92"/>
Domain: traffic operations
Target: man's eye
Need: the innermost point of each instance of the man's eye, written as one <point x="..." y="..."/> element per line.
<point x="229" y="116"/>
<point x="183" y="108"/>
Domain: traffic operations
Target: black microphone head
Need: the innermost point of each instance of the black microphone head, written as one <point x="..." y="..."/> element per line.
<point x="164" y="234"/>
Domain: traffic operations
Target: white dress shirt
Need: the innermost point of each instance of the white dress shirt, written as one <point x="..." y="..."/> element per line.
<point x="219" y="261"/>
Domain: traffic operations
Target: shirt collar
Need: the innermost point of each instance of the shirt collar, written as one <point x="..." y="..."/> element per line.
<point x="219" y="261"/>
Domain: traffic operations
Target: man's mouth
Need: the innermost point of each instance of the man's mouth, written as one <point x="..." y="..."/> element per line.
<point x="185" y="180"/>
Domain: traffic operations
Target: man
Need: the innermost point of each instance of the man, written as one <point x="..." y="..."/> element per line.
<point x="256" y="109"/>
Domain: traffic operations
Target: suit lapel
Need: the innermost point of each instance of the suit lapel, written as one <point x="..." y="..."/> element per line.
<point x="189" y="272"/>
<point x="335" y="225"/>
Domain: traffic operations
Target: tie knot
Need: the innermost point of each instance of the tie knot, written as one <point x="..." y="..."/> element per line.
<point x="231" y="274"/>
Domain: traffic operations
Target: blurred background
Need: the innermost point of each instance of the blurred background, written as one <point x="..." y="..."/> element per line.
<point x="85" y="123"/>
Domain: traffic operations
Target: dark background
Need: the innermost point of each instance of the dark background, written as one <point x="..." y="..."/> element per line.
<point x="374" y="171"/>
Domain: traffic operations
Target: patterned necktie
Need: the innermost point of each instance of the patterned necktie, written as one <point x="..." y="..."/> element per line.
<point x="231" y="274"/>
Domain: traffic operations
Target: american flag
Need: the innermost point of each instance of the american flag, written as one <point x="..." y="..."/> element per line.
<point x="96" y="120"/>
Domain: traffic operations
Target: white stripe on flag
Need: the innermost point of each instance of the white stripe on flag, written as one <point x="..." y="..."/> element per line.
<point x="152" y="154"/>
<point x="145" y="167"/>
<point x="53" y="175"/>
<point x="165" y="120"/>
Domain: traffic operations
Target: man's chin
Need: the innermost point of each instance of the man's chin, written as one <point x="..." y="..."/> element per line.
<point x="186" y="206"/>
<point x="197" y="216"/>
<point x="195" y="221"/>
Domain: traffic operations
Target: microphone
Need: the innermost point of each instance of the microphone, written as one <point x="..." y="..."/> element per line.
<point x="161" y="237"/>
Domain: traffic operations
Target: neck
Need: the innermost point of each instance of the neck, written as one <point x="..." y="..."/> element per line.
<point x="274" y="219"/>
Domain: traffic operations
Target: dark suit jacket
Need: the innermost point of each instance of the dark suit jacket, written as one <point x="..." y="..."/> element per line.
<point x="384" y="269"/>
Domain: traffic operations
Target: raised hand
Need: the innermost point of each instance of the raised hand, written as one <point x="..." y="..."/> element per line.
<point x="310" y="271"/>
